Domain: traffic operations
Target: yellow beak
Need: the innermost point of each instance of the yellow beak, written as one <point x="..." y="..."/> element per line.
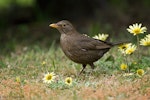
<point x="54" y="25"/>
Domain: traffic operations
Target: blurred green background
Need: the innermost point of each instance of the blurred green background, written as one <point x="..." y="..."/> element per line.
<point x="25" y="23"/>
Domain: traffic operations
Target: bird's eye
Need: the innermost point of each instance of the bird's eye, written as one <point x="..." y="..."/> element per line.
<point x="64" y="25"/>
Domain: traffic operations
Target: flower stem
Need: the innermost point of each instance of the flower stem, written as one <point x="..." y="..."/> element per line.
<point x="138" y="48"/>
<point x="126" y="60"/>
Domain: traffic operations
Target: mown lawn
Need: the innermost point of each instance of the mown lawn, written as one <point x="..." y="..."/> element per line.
<point x="21" y="75"/>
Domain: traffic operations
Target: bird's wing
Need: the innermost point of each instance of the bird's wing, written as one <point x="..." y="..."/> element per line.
<point x="91" y="44"/>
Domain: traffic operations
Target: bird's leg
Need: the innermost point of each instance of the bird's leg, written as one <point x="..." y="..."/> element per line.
<point x="92" y="65"/>
<point x="83" y="65"/>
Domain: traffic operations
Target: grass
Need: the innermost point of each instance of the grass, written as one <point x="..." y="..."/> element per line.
<point x="106" y="82"/>
<point x="22" y="72"/>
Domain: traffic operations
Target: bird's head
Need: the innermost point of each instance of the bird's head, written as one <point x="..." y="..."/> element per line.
<point x="63" y="26"/>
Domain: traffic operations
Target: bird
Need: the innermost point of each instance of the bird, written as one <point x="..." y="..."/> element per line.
<point x="80" y="48"/>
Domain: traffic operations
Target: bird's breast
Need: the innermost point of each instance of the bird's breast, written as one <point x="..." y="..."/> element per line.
<point x="63" y="37"/>
<point x="66" y="45"/>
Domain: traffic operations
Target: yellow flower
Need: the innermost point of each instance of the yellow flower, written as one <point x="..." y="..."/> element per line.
<point x="43" y="63"/>
<point x="49" y="77"/>
<point x="140" y="72"/>
<point x="123" y="66"/>
<point x="130" y="49"/>
<point x="145" y="41"/>
<point x="18" y="79"/>
<point x="148" y="36"/>
<point x="68" y="81"/>
<point x="101" y="37"/>
<point x="136" y="29"/>
<point x="127" y="48"/>
<point x="134" y="62"/>
<point x="123" y="47"/>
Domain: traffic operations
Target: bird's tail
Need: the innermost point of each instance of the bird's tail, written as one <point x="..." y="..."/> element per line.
<point x="120" y="43"/>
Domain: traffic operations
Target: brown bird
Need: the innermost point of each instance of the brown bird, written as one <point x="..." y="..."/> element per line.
<point x="80" y="48"/>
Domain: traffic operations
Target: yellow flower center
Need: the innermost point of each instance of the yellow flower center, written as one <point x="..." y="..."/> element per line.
<point x="124" y="47"/>
<point x="68" y="81"/>
<point x="147" y="43"/>
<point x="18" y="79"/>
<point x="129" y="51"/>
<point x="49" y="77"/>
<point x="140" y="72"/>
<point x="123" y="66"/>
<point x="137" y="30"/>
